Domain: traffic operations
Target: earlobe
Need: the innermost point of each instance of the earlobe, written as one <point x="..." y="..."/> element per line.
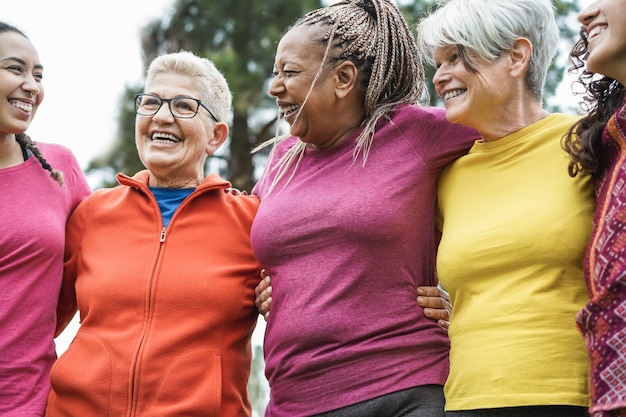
<point x="520" y="55"/>
<point x="347" y="76"/>
<point x="220" y="133"/>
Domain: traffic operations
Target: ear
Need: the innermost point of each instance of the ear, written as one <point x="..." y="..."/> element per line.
<point x="520" y="56"/>
<point x="346" y="78"/>
<point x="220" y="133"/>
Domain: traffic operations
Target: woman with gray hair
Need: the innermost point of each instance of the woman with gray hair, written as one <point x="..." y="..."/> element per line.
<point x="514" y="224"/>
<point x="145" y="260"/>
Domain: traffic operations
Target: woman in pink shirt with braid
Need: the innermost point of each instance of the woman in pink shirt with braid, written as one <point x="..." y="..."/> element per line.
<point x="40" y="185"/>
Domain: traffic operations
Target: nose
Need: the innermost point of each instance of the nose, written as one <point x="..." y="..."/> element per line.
<point x="588" y="13"/>
<point x="440" y="78"/>
<point x="32" y="86"/>
<point x="164" y="112"/>
<point x="276" y="86"/>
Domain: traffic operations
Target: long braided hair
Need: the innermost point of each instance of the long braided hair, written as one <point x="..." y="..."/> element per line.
<point x="22" y="138"/>
<point x="25" y="142"/>
<point x="603" y="95"/>
<point x="375" y="37"/>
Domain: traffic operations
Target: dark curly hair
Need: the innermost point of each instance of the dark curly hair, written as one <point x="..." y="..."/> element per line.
<point x="603" y="95"/>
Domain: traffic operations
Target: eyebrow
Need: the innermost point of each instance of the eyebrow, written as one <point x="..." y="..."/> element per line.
<point x="21" y="61"/>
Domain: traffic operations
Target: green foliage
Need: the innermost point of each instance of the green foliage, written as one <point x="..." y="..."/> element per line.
<point x="123" y="156"/>
<point x="257" y="385"/>
<point x="240" y="36"/>
<point x="415" y="10"/>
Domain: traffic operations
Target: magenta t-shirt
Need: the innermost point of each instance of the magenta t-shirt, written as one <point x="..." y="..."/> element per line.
<point x="346" y="246"/>
<point x="33" y="213"/>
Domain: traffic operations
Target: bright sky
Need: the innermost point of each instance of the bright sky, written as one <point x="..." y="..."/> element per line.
<point x="90" y="51"/>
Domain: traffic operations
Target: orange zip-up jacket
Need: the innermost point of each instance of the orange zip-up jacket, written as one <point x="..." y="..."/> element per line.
<point x="166" y="314"/>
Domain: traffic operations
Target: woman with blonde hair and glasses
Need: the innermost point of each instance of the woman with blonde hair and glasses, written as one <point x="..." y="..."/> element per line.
<point x="160" y="267"/>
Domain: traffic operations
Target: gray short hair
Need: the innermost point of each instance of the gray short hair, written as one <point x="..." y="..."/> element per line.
<point x="488" y="28"/>
<point x="211" y="83"/>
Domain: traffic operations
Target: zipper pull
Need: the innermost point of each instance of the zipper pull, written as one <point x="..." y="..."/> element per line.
<point x="163" y="233"/>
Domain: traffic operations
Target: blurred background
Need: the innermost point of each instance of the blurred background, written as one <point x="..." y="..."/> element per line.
<point x="95" y="55"/>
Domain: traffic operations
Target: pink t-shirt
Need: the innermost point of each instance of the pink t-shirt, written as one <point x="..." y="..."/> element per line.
<point x="346" y="246"/>
<point x="33" y="213"/>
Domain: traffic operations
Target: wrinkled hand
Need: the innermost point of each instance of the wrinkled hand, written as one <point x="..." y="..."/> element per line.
<point x="263" y="291"/>
<point x="436" y="304"/>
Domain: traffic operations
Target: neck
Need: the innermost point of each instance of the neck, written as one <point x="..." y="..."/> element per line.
<point x="10" y="151"/>
<point x="168" y="182"/>
<point x="509" y="122"/>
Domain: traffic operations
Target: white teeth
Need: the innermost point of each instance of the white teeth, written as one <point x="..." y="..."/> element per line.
<point x="453" y="93"/>
<point x="164" y="137"/>
<point x="287" y="109"/>
<point x="22" y="106"/>
<point x="596" y="31"/>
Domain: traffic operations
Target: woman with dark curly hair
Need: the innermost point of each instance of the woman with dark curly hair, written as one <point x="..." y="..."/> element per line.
<point x="597" y="145"/>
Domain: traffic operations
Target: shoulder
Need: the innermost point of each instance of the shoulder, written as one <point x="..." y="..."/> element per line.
<point x="57" y="153"/>
<point x="554" y="125"/>
<point x="241" y="200"/>
<point x="431" y="123"/>
<point x="412" y="111"/>
<point x="283" y="145"/>
<point x="564" y="118"/>
<point x="233" y="198"/>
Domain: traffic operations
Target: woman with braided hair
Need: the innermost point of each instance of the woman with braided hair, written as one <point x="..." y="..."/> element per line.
<point x="345" y="226"/>
<point x="35" y="206"/>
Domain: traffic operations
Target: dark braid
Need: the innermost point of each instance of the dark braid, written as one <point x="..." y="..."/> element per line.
<point x="24" y="140"/>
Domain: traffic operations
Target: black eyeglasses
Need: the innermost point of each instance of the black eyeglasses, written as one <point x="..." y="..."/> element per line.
<point x="180" y="107"/>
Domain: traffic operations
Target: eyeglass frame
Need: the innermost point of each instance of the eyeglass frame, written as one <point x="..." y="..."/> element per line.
<point x="168" y="101"/>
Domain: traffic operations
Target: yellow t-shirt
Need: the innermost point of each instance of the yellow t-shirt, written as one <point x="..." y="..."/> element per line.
<point x="515" y="226"/>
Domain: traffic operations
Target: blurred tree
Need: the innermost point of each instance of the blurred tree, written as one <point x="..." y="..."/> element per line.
<point x="240" y="36"/>
<point x="414" y="10"/>
<point x="257" y="386"/>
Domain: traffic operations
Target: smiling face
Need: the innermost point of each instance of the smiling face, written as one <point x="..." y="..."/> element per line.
<point x="471" y="96"/>
<point x="312" y="112"/>
<point x="174" y="150"/>
<point x="605" y="22"/>
<point x="21" y="90"/>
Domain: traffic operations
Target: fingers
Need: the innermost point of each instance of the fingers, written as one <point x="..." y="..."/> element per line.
<point x="434" y="298"/>
<point x="263" y="292"/>
<point x="436" y="304"/>
<point x="429" y="291"/>
<point x="437" y="314"/>
<point x="444" y="294"/>
<point x="265" y="283"/>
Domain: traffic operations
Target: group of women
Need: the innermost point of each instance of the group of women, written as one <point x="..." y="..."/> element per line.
<point x="371" y="200"/>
